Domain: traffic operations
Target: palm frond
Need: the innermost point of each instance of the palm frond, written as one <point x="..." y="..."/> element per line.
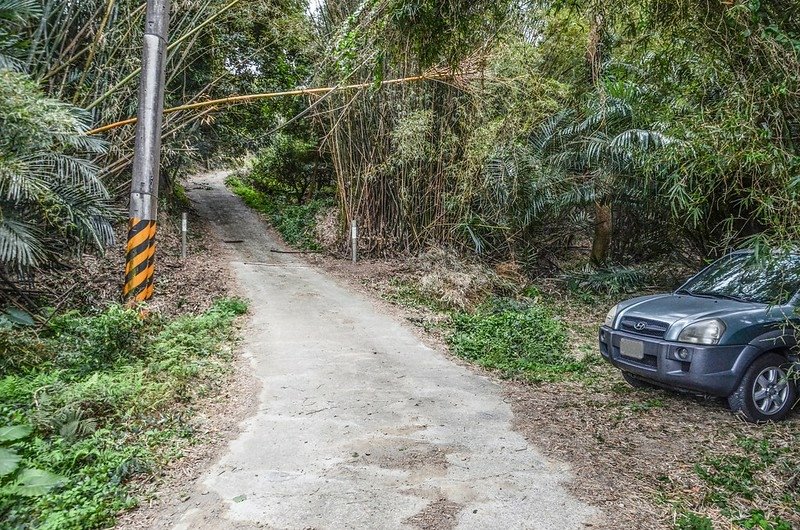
<point x="550" y="132"/>
<point x="17" y="11"/>
<point x="644" y="139"/>
<point x="20" y="243"/>
<point x="20" y="182"/>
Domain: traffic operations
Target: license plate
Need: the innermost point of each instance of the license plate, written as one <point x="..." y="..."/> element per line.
<point x="631" y="348"/>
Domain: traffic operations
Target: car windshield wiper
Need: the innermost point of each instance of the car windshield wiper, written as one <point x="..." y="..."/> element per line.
<point x="701" y="294"/>
<point x="718" y="295"/>
<point x="693" y="293"/>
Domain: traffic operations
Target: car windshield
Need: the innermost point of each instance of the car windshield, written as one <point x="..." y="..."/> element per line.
<point x="744" y="278"/>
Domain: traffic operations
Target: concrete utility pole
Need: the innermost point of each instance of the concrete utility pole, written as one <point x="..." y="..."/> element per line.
<point x="140" y="257"/>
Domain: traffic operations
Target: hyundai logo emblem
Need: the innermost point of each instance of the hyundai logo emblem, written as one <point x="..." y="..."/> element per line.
<point x="640" y="326"/>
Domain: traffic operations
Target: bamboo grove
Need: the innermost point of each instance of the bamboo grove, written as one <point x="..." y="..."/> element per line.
<point x="649" y="129"/>
<point x="638" y="131"/>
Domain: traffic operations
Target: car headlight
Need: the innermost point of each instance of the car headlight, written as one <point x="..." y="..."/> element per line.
<point x="704" y="332"/>
<point x="611" y="316"/>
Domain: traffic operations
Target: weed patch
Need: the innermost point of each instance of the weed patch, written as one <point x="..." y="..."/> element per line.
<point x="408" y="294"/>
<point x="753" y="486"/>
<point x="519" y="340"/>
<point x="102" y="398"/>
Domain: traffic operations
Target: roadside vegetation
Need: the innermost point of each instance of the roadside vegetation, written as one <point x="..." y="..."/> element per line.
<point x="521" y="340"/>
<point x="93" y="400"/>
<point x="296" y="223"/>
<point x="289" y="181"/>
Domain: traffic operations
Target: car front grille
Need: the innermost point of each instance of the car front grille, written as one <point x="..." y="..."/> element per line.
<point x="649" y="360"/>
<point x="644" y="326"/>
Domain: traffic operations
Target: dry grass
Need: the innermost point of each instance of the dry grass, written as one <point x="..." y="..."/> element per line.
<point x="181" y="287"/>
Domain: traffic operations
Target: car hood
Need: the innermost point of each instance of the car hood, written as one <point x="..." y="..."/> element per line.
<point x="670" y="308"/>
<point x="678" y="311"/>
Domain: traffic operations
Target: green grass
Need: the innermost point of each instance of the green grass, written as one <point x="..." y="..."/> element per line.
<point x="753" y="485"/>
<point x="108" y="397"/>
<point x="295" y="222"/>
<point x="522" y="340"/>
<point x="736" y="480"/>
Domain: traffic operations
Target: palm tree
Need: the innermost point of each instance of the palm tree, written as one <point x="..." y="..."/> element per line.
<point x="14" y="14"/>
<point x="52" y="202"/>
<point x="596" y="160"/>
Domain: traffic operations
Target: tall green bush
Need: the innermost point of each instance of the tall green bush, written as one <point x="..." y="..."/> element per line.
<point x="290" y="166"/>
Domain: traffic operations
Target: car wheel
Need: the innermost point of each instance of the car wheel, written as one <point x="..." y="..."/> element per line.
<point x="766" y="392"/>
<point x="636" y="381"/>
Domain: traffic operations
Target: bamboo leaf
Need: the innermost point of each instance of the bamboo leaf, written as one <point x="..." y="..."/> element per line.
<point x="9" y="461"/>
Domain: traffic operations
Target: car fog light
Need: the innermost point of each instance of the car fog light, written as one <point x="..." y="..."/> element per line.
<point x="682" y="353"/>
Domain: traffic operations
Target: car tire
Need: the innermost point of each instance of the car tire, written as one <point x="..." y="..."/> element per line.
<point x="766" y="392"/>
<point x="636" y="381"/>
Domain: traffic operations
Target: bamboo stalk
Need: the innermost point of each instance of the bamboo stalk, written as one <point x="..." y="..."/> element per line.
<point x="93" y="48"/>
<point x="171" y="47"/>
<point x="253" y="97"/>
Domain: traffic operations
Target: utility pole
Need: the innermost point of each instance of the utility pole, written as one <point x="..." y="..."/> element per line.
<point x="143" y="213"/>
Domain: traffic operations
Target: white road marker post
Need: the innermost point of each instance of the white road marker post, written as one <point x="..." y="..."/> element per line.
<point x="354" y="237"/>
<point x="184" y="230"/>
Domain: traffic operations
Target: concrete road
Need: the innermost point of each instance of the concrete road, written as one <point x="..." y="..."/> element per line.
<point x="360" y="425"/>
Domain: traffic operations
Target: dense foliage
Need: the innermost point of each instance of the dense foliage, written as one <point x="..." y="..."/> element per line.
<point x="101" y="398"/>
<point x="643" y="129"/>
<point x="524" y="342"/>
<point x="295" y="221"/>
<point x="58" y="57"/>
<point x="52" y="201"/>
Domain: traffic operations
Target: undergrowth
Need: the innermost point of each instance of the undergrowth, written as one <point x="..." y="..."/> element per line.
<point x="520" y="339"/>
<point x="105" y="397"/>
<point x="755" y="485"/>
<point x="295" y="222"/>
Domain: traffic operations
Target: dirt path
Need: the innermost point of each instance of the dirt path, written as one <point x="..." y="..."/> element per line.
<point x="359" y="424"/>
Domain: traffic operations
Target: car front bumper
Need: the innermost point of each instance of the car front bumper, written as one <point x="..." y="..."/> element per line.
<point x="714" y="370"/>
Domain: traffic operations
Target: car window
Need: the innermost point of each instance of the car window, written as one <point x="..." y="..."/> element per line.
<point x="771" y="280"/>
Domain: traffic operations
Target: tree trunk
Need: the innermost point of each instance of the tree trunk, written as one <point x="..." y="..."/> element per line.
<point x="602" y="207"/>
<point x="602" y="233"/>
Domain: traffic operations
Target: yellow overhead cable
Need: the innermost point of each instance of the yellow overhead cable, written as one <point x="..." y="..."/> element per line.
<point x="252" y="97"/>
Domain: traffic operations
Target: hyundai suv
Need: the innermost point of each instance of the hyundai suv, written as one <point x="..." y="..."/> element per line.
<point x="730" y="331"/>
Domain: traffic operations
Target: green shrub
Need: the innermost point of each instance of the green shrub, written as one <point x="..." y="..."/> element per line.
<point x="519" y="340"/>
<point x="290" y="165"/>
<point x="90" y="342"/>
<point x="296" y="223"/>
<point x="21" y="350"/>
<point x="104" y="405"/>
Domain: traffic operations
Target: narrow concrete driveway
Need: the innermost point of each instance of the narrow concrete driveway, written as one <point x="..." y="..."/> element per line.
<point x="360" y="425"/>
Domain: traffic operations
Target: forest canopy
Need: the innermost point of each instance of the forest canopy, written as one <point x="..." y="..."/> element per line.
<point x="640" y="130"/>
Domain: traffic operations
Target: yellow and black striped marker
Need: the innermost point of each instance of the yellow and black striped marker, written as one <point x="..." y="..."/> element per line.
<point x="140" y="260"/>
